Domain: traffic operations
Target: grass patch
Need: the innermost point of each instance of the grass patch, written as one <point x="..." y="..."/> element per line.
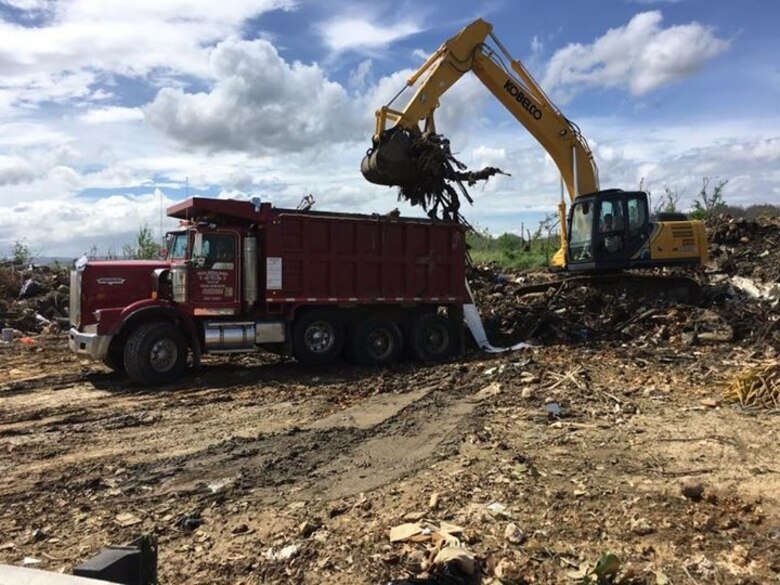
<point x="510" y="251"/>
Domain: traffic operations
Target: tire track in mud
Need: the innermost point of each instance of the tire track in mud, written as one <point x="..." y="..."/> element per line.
<point x="46" y="381"/>
<point x="294" y="432"/>
<point x="352" y="451"/>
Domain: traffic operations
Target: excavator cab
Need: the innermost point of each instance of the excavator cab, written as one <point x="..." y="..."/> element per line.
<point x="607" y="229"/>
<point x="613" y="230"/>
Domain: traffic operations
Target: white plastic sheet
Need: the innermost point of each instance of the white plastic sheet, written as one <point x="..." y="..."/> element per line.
<point x="474" y="323"/>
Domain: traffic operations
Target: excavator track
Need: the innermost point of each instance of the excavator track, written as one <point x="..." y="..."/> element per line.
<point x="639" y="283"/>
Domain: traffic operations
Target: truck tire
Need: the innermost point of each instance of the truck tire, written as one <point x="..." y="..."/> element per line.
<point x="115" y="360"/>
<point x="375" y="342"/>
<point x="432" y="338"/>
<point x="318" y="337"/>
<point x="155" y="353"/>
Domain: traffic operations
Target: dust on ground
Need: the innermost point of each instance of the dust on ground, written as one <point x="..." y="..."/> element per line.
<point x="583" y="444"/>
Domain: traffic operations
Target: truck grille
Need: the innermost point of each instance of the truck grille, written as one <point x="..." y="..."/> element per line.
<point x="74" y="308"/>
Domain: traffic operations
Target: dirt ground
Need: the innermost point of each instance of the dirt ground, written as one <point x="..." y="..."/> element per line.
<point x="298" y="474"/>
<point x="252" y="469"/>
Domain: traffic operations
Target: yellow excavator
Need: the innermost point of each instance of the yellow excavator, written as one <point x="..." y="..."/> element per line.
<point x="604" y="230"/>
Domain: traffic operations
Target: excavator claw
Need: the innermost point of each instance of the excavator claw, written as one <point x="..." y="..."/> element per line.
<point x="424" y="170"/>
<point x="390" y="160"/>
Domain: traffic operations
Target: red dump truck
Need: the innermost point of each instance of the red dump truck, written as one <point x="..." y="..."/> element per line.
<point x="241" y="276"/>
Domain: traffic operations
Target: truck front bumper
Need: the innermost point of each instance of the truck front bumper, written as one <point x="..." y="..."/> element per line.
<point x="91" y="344"/>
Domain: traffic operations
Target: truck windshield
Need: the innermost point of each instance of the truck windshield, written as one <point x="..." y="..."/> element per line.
<point x="177" y="245"/>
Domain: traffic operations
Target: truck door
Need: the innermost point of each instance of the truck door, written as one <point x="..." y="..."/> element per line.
<point x="214" y="288"/>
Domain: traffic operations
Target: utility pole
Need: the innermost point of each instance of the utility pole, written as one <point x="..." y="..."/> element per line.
<point x="162" y="236"/>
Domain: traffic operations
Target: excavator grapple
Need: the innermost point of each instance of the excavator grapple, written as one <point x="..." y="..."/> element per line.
<point x="389" y="161"/>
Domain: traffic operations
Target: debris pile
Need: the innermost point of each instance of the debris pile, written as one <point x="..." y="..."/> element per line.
<point x="749" y="248"/>
<point x="434" y="554"/>
<point x="583" y="310"/>
<point x="33" y="299"/>
<point x="737" y="301"/>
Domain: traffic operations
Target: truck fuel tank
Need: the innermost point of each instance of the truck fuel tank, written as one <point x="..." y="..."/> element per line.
<point x="229" y="336"/>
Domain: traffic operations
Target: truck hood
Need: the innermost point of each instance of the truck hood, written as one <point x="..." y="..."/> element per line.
<point x="109" y="284"/>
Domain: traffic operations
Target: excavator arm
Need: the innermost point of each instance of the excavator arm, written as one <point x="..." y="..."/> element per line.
<point x="513" y="86"/>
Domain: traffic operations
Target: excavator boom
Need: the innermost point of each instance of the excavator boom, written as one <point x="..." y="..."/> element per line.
<point x="389" y="161"/>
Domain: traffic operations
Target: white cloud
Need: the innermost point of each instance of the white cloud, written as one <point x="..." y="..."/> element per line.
<point x="106" y="222"/>
<point x="279" y="129"/>
<point x="14" y="171"/>
<point x="359" y="77"/>
<point x="640" y="56"/>
<point x="262" y="104"/>
<point x="537" y="46"/>
<point x="767" y="150"/>
<point x="86" y="41"/>
<point x="259" y="103"/>
<point x="112" y="114"/>
<point x="27" y="4"/>
<point x="346" y="33"/>
<point x="484" y="156"/>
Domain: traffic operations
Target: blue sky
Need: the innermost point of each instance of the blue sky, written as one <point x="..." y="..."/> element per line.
<point x="108" y="109"/>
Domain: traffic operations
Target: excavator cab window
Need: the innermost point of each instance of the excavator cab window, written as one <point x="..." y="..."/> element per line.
<point x="611" y="237"/>
<point x="581" y="232"/>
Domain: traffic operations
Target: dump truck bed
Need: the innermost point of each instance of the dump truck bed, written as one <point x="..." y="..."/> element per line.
<point x="363" y="259"/>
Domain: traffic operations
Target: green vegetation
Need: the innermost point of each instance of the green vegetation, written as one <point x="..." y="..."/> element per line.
<point x="512" y="250"/>
<point x="21" y="253"/>
<point x="145" y="248"/>
<point x="709" y="203"/>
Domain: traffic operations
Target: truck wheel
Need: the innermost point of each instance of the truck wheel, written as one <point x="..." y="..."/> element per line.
<point x="155" y="353"/>
<point x="115" y="360"/>
<point x="318" y="337"/>
<point x="375" y="342"/>
<point x="433" y="338"/>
